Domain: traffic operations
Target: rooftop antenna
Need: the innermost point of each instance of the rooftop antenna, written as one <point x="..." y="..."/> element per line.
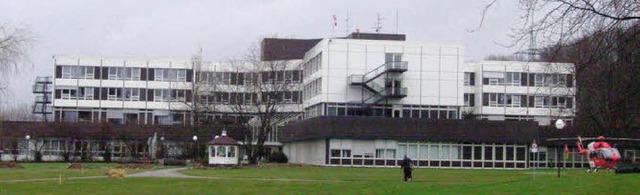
<point x="396" y="20"/>
<point x="378" y="26"/>
<point x="347" y="28"/>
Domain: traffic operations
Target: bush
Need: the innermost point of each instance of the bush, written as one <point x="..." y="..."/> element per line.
<point x="278" y="157"/>
<point x="38" y="156"/>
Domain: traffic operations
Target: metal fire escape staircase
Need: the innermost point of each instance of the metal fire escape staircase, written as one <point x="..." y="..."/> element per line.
<point x="392" y="72"/>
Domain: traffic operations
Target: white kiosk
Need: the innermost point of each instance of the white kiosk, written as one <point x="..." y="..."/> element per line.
<point x="223" y="150"/>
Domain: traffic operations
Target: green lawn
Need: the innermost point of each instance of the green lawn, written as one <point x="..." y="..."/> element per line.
<point x="55" y="170"/>
<point x="339" y="180"/>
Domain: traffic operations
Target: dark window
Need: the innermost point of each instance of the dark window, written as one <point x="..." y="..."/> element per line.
<point x="523" y="100"/>
<point x="485" y="81"/>
<point x="335" y="153"/>
<point x="472" y="79"/>
<point x="532" y="80"/>
<point x="466" y="152"/>
<point x="520" y="153"/>
<point x="570" y="80"/>
<point x="499" y="153"/>
<point x="509" y="153"/>
<point x="143" y="74"/>
<point x="531" y="101"/>
<point x="96" y="74"/>
<point x="488" y="153"/>
<point x="485" y="99"/>
<point x="523" y="79"/>
<point x="406" y="113"/>
<point x="58" y="72"/>
<point x="151" y="74"/>
<point x="189" y="75"/>
<point x="477" y="152"/>
<point x="105" y="73"/>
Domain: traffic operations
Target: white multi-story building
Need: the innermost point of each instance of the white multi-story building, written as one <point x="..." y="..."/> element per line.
<point x="512" y="90"/>
<point x="382" y="75"/>
<point x="157" y="91"/>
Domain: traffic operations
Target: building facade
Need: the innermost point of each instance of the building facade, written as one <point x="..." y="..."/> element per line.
<point x="512" y="90"/>
<point x="382" y="75"/>
<point x="162" y="91"/>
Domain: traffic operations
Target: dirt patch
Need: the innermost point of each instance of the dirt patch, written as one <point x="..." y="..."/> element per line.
<point x="78" y="166"/>
<point x="10" y="165"/>
<point x="134" y="166"/>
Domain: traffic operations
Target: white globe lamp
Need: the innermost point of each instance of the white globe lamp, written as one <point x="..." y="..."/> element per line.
<point x="559" y="124"/>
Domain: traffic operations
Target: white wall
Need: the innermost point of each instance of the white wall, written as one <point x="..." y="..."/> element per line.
<point x="306" y="152"/>
<point x="434" y="75"/>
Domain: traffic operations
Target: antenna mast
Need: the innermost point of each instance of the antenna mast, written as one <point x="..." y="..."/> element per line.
<point x="378" y="26"/>
<point x="347" y="29"/>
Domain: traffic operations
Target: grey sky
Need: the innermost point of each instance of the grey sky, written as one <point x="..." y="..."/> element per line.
<point x="225" y="29"/>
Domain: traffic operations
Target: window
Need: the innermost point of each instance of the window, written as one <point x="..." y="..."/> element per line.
<point x="493" y="99"/>
<point x="346" y="153"/>
<point x="540" y="79"/>
<point x="67" y="72"/>
<point x="113" y="73"/>
<point x="469" y="79"/>
<point x="231" y="152"/>
<point x="157" y="95"/>
<point x="88" y="73"/>
<point x="512" y="100"/>
<point x="469" y="99"/>
<point x="113" y="94"/>
<point x="182" y="75"/>
<point x="170" y="75"/>
<point x="131" y="94"/>
<point x="86" y="93"/>
<point x="222" y="151"/>
<point x="512" y="78"/>
<point x="131" y="74"/>
<point x="159" y="74"/>
<point x="541" y="101"/>
<point x="179" y="96"/>
<point x="493" y="78"/>
<point x="335" y="153"/>
<point x="434" y="152"/>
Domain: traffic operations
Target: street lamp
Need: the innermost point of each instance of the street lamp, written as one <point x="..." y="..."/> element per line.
<point x="195" y="148"/>
<point x="559" y="125"/>
<point x="27" y="147"/>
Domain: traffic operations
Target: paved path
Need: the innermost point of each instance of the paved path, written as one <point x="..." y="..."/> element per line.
<point x="171" y="173"/>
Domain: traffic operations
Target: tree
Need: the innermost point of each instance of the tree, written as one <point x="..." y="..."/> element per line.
<point x="17" y="112"/>
<point x="14" y="45"/>
<point x="266" y="99"/>
<point x="601" y="38"/>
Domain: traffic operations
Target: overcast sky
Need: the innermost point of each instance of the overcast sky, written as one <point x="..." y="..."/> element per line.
<point x="225" y="29"/>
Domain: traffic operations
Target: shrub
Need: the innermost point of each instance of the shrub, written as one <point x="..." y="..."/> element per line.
<point x="278" y="157"/>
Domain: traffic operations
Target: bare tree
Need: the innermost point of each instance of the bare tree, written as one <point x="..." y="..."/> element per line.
<point x="601" y="38"/>
<point x="14" y="45"/>
<point x="266" y="99"/>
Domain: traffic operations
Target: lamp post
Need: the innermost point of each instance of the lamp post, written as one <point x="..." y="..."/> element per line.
<point x="27" y="147"/>
<point x="195" y="148"/>
<point x="161" y="155"/>
<point x="559" y="125"/>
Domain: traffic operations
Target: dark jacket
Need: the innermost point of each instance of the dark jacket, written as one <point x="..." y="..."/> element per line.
<point x="406" y="163"/>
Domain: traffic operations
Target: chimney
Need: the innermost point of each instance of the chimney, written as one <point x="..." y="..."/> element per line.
<point x="224" y="133"/>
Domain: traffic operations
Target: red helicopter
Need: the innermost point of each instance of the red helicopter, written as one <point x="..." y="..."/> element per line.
<point x="601" y="154"/>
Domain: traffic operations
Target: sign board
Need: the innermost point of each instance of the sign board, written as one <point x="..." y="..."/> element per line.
<point x="534" y="148"/>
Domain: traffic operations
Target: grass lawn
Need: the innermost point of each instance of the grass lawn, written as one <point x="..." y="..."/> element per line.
<point x="340" y="180"/>
<point x="54" y="170"/>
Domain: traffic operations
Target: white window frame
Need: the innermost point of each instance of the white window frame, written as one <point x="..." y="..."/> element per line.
<point x="135" y="74"/>
<point x="180" y="96"/>
<point x="157" y="95"/>
<point x="88" y="93"/>
<point x="540" y="80"/>
<point x="67" y="72"/>
<point x="112" y="97"/>
<point x="182" y="75"/>
<point x="513" y="77"/>
<point x="113" y="73"/>
<point x="88" y="72"/>
<point x="158" y="74"/>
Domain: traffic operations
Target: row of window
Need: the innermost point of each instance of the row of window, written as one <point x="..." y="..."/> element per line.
<point x="520" y="79"/>
<point x="313" y="65"/>
<point x="241" y="78"/>
<point x="519" y="100"/>
<point x="123" y="94"/>
<point x="234" y="98"/>
<point x="312" y="89"/>
<point x="441" y="152"/>
<point x="123" y="73"/>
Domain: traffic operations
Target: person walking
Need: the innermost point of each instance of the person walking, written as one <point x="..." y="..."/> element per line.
<point x="407" y="167"/>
